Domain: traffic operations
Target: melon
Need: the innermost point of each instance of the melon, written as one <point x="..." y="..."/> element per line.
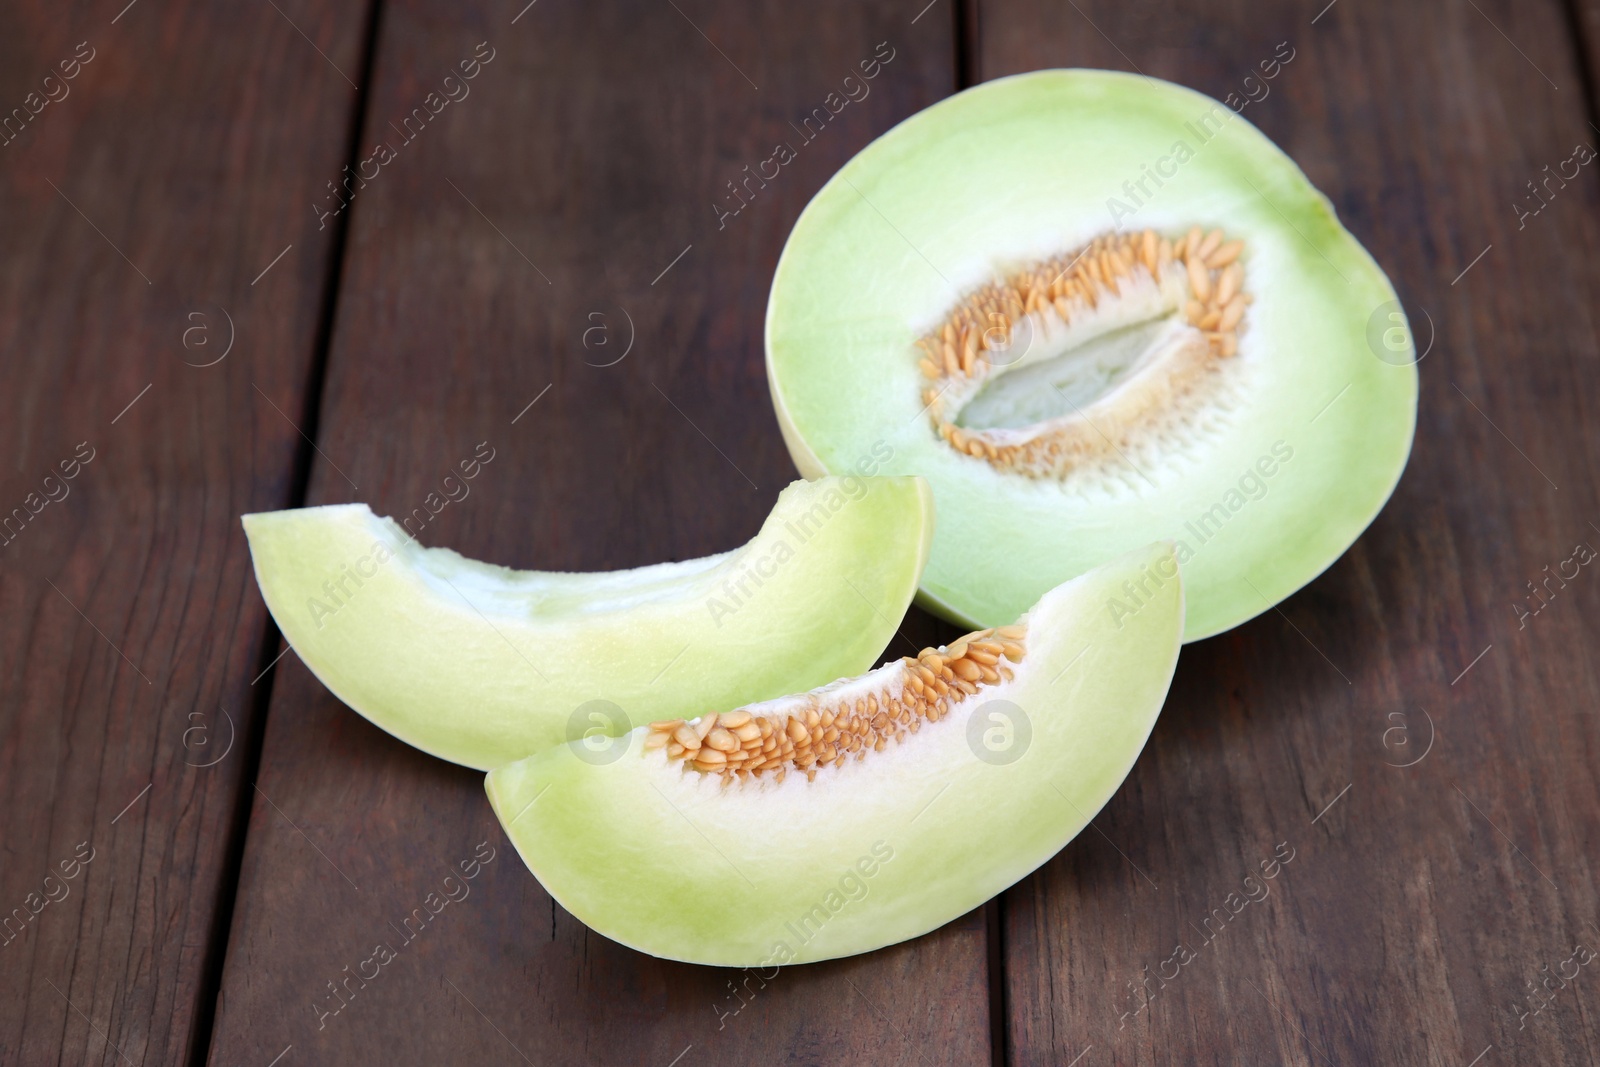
<point x="1096" y="310"/>
<point x="482" y="665"/>
<point x="866" y="811"/>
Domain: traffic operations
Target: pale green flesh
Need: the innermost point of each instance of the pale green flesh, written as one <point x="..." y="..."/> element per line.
<point x="1020" y="169"/>
<point x="481" y="665"/>
<point x="874" y="851"/>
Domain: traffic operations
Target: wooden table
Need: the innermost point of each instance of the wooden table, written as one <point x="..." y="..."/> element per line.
<point x="199" y="320"/>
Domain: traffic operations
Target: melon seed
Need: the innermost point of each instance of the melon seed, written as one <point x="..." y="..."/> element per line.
<point x="745" y="745"/>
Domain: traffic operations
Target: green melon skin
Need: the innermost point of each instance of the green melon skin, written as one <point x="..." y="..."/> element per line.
<point x="482" y="665"/>
<point x="876" y="851"/>
<point x="1025" y="167"/>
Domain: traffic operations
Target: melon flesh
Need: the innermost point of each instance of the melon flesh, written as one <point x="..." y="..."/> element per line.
<point x="1260" y="439"/>
<point x="482" y="665"/>
<point x="878" y="845"/>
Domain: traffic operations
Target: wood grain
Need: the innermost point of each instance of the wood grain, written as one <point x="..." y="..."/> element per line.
<point x="1418" y="906"/>
<point x="574" y="205"/>
<point x="570" y="194"/>
<point x="177" y="157"/>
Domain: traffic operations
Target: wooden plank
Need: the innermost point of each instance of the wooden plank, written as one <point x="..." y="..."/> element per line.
<point x="1421" y="901"/>
<point x="501" y="266"/>
<point x="161" y="158"/>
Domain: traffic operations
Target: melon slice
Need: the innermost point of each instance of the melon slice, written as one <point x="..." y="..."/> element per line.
<point x="482" y="665"/>
<point x="1096" y="310"/>
<point x="865" y="812"/>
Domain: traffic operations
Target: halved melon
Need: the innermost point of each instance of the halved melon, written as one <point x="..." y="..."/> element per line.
<point x="1096" y="310"/>
<point x="482" y="665"/>
<point x="865" y="812"/>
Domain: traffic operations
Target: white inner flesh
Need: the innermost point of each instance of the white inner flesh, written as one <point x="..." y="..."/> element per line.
<point x="1066" y="383"/>
<point x="889" y="678"/>
<point x="1066" y="366"/>
<point x="534" y="594"/>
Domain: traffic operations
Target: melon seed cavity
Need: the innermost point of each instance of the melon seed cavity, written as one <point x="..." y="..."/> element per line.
<point x="1137" y="323"/>
<point x="744" y="744"/>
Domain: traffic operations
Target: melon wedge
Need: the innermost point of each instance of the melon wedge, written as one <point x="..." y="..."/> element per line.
<point x="482" y="665"/>
<point x="868" y="811"/>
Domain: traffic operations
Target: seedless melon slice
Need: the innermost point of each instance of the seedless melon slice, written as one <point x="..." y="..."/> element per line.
<point x="868" y="811"/>
<point x="482" y="665"/>
<point x="1096" y="310"/>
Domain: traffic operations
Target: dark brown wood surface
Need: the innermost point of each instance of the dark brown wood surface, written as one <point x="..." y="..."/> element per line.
<point x="1423" y="752"/>
<point x="139" y="208"/>
<point x="1420" y="904"/>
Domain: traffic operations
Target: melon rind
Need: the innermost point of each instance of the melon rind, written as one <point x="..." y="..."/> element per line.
<point x="760" y="873"/>
<point x="481" y="665"/>
<point x="1022" y="168"/>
